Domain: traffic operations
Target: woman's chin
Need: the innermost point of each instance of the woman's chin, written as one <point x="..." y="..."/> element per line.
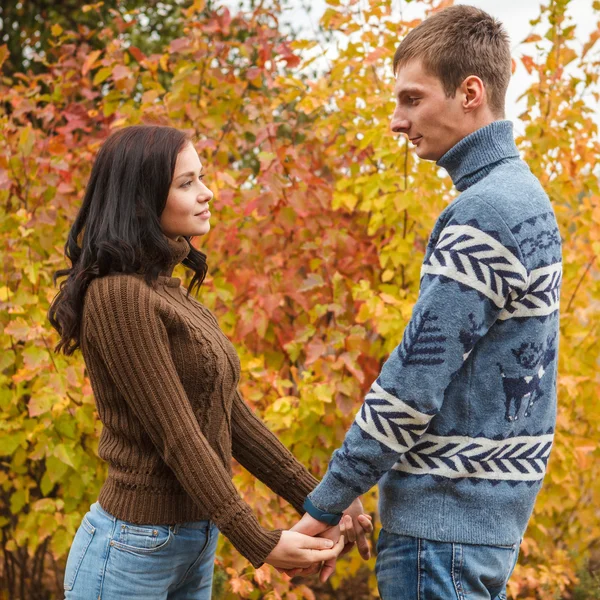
<point x="202" y="230"/>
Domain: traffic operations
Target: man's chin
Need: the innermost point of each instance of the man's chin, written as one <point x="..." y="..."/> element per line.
<point x="427" y="154"/>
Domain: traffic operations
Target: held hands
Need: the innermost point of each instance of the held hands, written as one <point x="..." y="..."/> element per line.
<point x="355" y="526"/>
<point x="296" y="550"/>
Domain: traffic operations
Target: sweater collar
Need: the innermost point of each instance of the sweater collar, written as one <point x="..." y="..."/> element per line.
<point x="476" y="155"/>
<point x="179" y="248"/>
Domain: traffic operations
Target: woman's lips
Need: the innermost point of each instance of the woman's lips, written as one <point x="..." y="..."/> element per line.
<point x="205" y="214"/>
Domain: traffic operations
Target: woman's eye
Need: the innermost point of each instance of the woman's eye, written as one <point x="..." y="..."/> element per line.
<point x="187" y="184"/>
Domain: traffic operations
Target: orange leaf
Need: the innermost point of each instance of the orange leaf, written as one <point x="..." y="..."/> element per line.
<point x="89" y="61"/>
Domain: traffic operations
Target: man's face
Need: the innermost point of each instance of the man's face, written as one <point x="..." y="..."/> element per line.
<point x="432" y="121"/>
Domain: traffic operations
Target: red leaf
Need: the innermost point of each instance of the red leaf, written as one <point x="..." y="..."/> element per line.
<point x="136" y="53"/>
<point x="179" y="44"/>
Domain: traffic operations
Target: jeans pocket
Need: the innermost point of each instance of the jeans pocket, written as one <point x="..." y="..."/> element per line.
<point x="211" y="533"/>
<point x="480" y="570"/>
<point x="81" y="542"/>
<point x="141" y="539"/>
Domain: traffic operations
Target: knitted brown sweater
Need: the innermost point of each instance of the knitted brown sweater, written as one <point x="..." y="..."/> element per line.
<point x="165" y="381"/>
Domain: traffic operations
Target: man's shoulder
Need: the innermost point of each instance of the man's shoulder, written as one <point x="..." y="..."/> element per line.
<point x="514" y="193"/>
<point x="512" y="202"/>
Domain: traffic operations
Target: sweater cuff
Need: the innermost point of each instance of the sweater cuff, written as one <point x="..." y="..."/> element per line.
<point x="331" y="519"/>
<point x="239" y="524"/>
<point x="333" y="496"/>
<point x="299" y="487"/>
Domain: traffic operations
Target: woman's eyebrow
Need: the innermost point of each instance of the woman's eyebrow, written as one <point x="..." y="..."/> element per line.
<point x="187" y="174"/>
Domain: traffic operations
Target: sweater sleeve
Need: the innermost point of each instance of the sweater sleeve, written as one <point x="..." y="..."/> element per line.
<point x="471" y="269"/>
<point x="125" y="328"/>
<point x="259" y="451"/>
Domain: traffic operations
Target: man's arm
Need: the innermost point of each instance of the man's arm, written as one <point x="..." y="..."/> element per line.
<point x="467" y="279"/>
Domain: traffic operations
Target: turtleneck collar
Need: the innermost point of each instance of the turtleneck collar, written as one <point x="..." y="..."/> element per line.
<point x="180" y="248"/>
<point x="476" y="155"/>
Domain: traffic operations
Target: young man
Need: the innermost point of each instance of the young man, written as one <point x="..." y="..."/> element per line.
<point x="458" y="426"/>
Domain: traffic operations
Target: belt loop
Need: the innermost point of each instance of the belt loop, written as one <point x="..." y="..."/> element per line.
<point x="175" y="528"/>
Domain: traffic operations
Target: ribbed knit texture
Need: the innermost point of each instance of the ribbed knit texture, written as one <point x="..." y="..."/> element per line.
<point x="457" y="429"/>
<point x="165" y="381"/>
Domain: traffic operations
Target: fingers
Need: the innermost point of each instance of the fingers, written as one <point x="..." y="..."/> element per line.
<point x="324" y="555"/>
<point x="366" y="522"/>
<point x="327" y="570"/>
<point x="316" y="543"/>
<point x="349" y="526"/>
<point x="347" y="548"/>
<point x="291" y="572"/>
<point x="365" y="529"/>
<point x="312" y="569"/>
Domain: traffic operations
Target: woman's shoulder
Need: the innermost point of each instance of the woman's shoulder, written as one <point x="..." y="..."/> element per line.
<point x="124" y="288"/>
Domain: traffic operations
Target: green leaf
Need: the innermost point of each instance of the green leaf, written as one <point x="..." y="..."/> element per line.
<point x="18" y="501"/>
<point x="9" y="442"/>
<point x="102" y="75"/>
<point x="26" y="140"/>
<point x="66" y="454"/>
<point x="60" y="544"/>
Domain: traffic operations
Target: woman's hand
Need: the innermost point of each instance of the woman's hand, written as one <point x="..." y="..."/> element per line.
<point x="359" y="526"/>
<point x="327" y="568"/>
<point x="298" y="551"/>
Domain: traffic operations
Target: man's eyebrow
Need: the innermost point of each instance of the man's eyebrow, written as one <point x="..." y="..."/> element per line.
<point x="408" y="90"/>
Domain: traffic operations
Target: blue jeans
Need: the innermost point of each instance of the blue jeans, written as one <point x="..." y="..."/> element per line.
<point x="410" y="568"/>
<point x="112" y="559"/>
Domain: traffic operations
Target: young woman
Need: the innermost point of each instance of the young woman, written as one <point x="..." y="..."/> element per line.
<point x="165" y="382"/>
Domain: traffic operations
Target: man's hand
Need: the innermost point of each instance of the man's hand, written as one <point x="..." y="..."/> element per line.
<point x="355" y="525"/>
<point x="362" y="527"/>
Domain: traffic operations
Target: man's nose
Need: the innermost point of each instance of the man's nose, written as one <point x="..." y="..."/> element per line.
<point x="399" y="124"/>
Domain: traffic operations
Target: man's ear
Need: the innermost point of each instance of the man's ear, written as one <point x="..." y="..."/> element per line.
<point x="473" y="92"/>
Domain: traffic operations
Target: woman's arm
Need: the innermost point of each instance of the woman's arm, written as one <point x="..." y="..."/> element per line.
<point x="124" y="327"/>
<point x="259" y="451"/>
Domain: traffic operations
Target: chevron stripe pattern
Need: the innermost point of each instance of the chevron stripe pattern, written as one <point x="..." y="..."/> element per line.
<point x="477" y="260"/>
<point x="542" y="297"/>
<point x="390" y="421"/>
<point x="517" y="459"/>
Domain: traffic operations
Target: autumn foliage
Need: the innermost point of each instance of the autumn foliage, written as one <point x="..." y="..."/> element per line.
<point x="321" y="221"/>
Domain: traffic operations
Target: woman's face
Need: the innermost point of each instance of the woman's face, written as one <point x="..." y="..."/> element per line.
<point x="186" y="212"/>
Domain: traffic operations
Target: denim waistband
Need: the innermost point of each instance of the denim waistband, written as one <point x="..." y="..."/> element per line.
<point x="175" y="526"/>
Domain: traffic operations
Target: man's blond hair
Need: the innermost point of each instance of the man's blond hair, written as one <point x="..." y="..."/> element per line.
<point x="457" y="42"/>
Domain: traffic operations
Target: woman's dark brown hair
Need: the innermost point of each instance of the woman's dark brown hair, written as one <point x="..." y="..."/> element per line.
<point x="117" y="229"/>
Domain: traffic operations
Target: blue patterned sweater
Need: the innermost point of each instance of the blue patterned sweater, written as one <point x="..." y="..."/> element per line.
<point x="458" y="426"/>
